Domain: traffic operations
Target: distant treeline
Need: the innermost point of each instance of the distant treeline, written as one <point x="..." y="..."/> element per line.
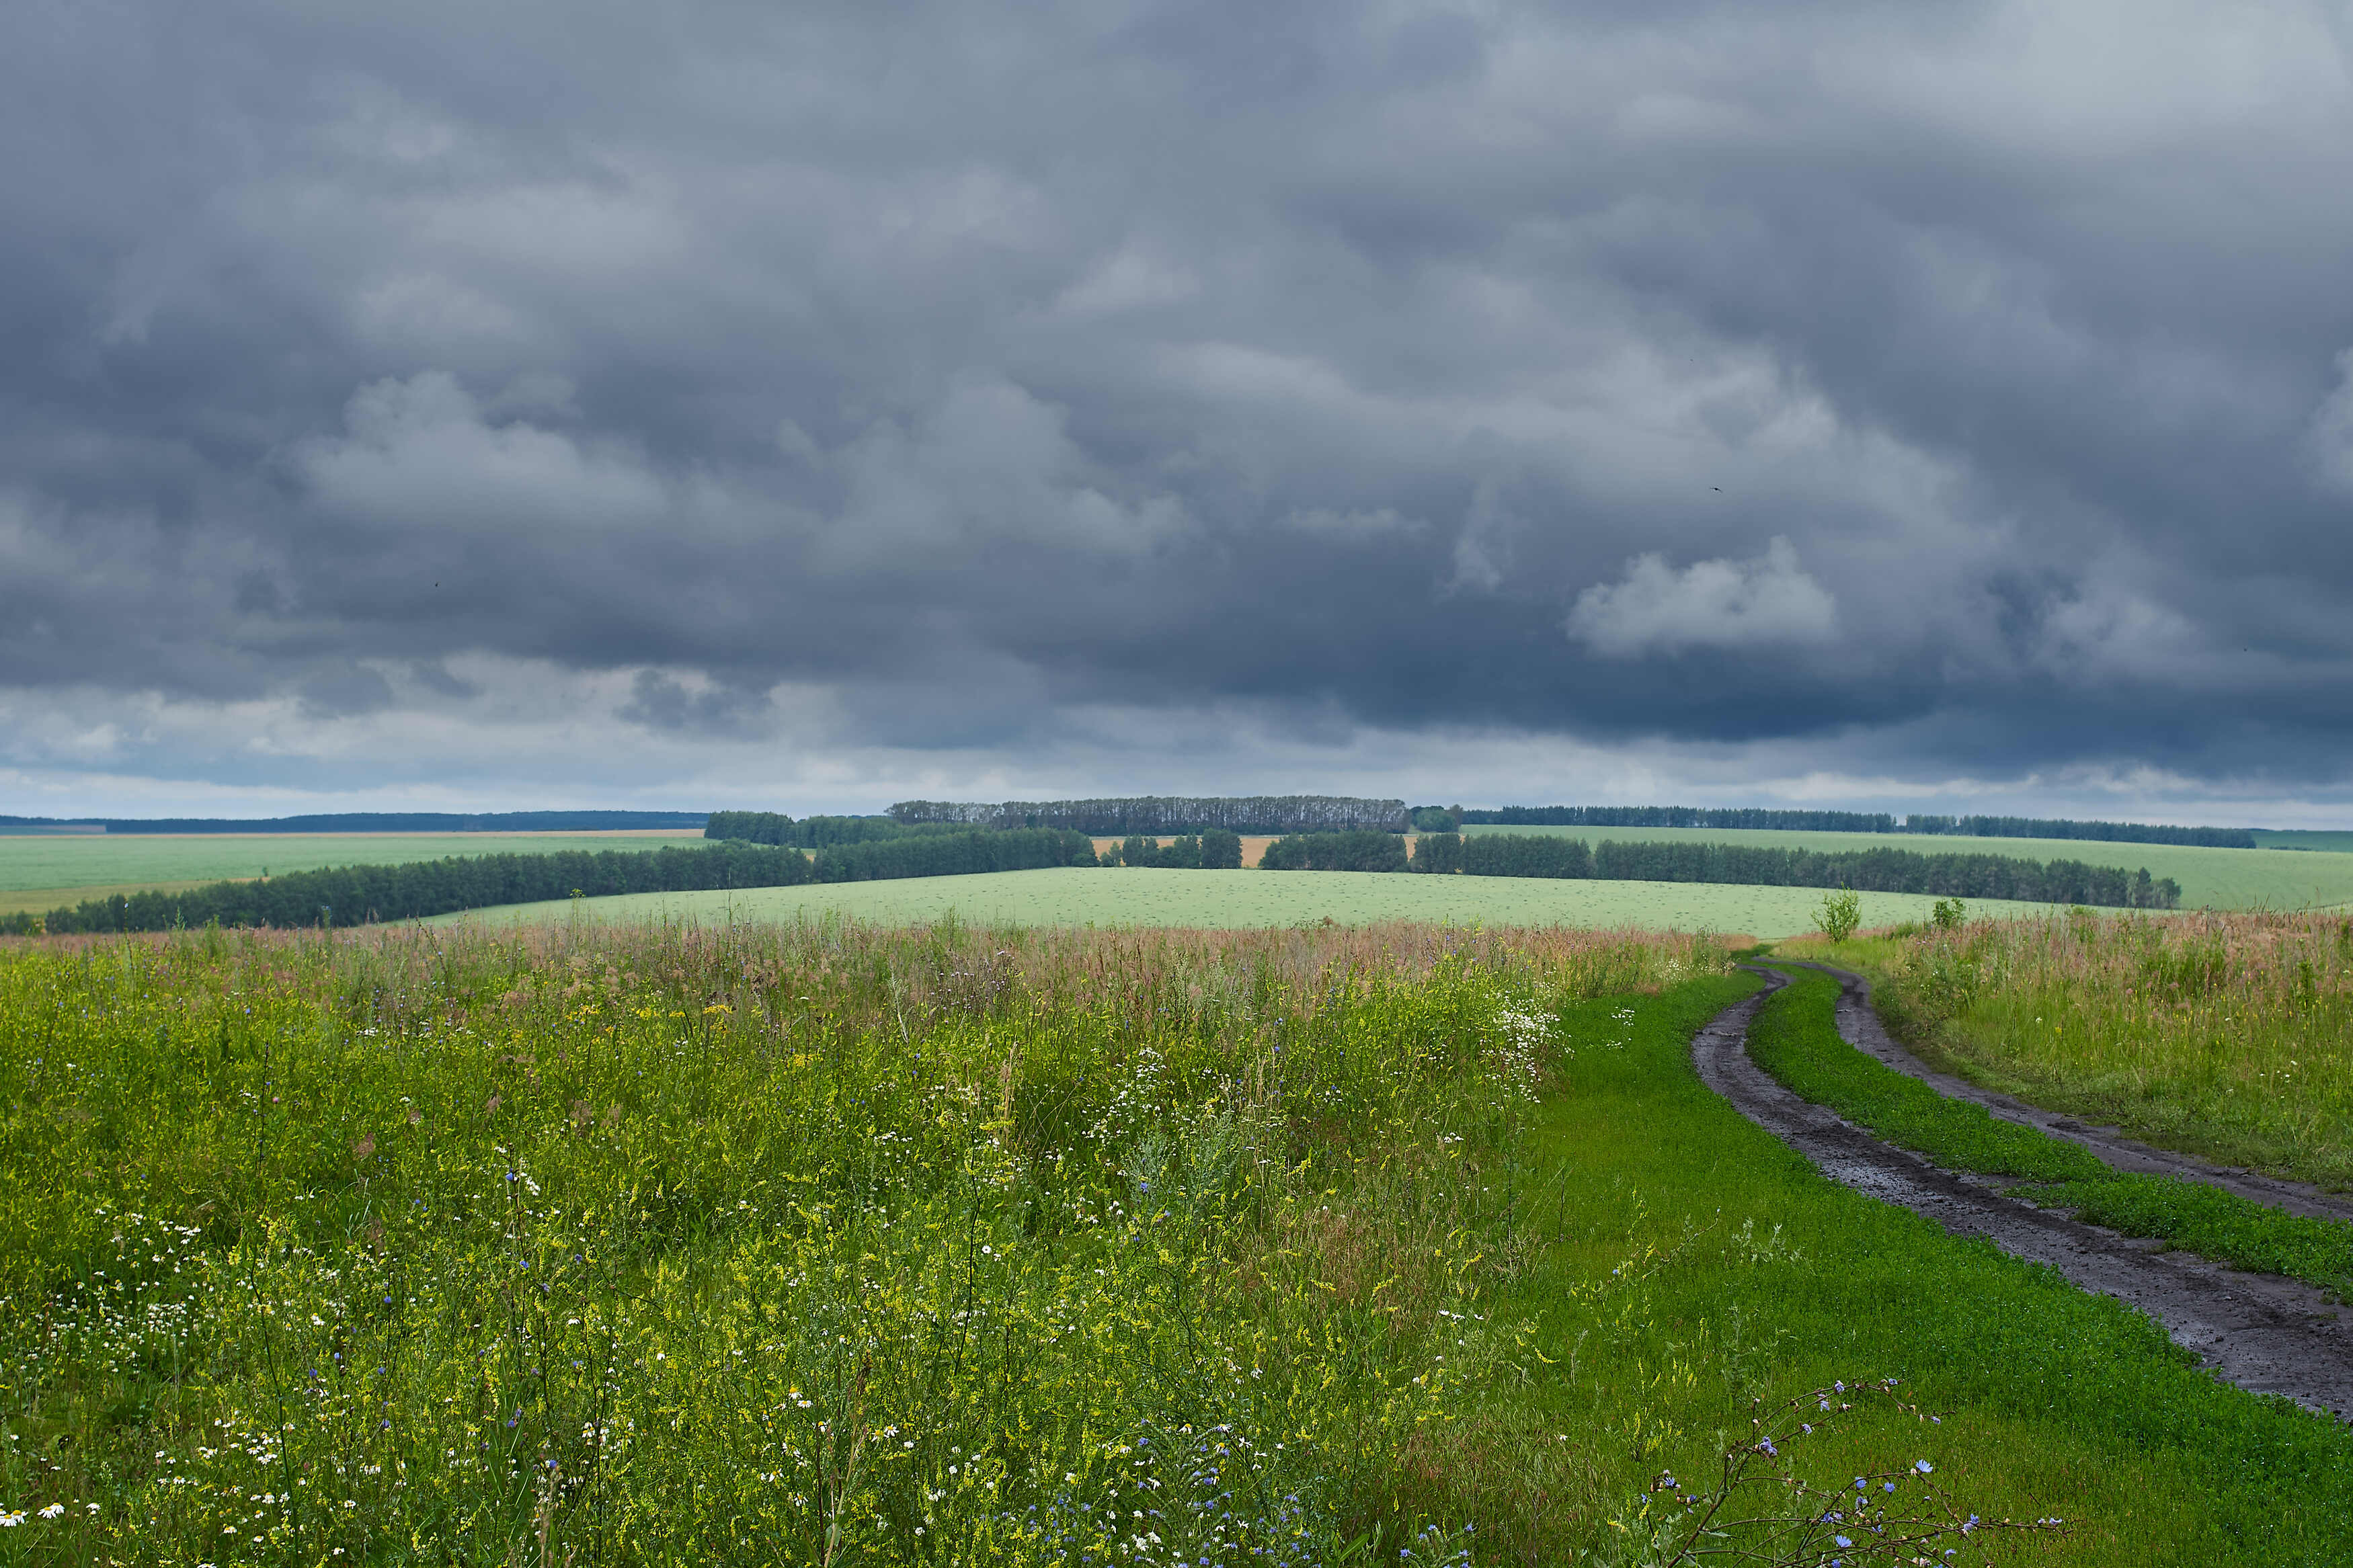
<point x="353" y="895"/>
<point x="1358" y="851"/>
<point x="1216" y="850"/>
<point x="1856" y="821"/>
<point x="1865" y="870"/>
<point x="381" y="822"/>
<point x="812" y="832"/>
<point x="1161" y="815"/>
<point x="2098" y="832"/>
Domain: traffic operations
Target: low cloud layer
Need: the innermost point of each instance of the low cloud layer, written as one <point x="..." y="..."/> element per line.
<point x="812" y="406"/>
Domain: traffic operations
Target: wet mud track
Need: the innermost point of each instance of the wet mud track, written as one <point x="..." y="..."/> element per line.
<point x="1859" y="1026"/>
<point x="2265" y="1334"/>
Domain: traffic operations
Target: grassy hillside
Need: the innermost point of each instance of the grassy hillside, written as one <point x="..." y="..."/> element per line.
<point x="2282" y="879"/>
<point x="1246" y="898"/>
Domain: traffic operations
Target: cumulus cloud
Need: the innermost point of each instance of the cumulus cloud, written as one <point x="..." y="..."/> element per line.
<point x="1762" y="603"/>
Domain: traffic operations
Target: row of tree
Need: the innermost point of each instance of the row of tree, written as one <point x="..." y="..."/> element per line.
<point x="1866" y="870"/>
<point x="809" y="832"/>
<point x="1358" y="851"/>
<point x="352" y="895"/>
<point x="1215" y="850"/>
<point x="1843" y="822"/>
<point x="1684" y="817"/>
<point x="2095" y="832"/>
<point x="954" y="855"/>
<point x="1157" y="816"/>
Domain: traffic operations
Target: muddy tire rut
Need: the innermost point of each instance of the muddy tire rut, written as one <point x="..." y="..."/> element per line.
<point x="2265" y="1333"/>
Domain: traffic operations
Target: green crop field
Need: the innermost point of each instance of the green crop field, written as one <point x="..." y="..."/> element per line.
<point x="41" y="871"/>
<point x="1141" y="897"/>
<point x="2303" y="838"/>
<point x="2270" y="879"/>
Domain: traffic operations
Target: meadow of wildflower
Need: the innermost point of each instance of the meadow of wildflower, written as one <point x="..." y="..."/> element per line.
<point x="2224" y="1035"/>
<point x="829" y="1243"/>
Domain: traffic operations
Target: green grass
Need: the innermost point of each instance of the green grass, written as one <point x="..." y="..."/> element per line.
<point x="2228" y="1036"/>
<point x="65" y="868"/>
<point x="773" y="1245"/>
<point x="1797" y="1040"/>
<point x="2273" y="879"/>
<point x="1246" y="898"/>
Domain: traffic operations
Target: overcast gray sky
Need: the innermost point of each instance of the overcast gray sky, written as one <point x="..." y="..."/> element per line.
<point x="1938" y="406"/>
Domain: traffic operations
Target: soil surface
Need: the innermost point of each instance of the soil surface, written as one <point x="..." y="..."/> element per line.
<point x="1859" y="1026"/>
<point x="2265" y="1334"/>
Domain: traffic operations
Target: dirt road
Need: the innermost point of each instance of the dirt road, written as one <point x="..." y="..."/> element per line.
<point x="2263" y="1334"/>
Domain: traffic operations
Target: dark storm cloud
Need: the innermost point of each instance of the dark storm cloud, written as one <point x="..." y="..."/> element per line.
<point x="1964" y="389"/>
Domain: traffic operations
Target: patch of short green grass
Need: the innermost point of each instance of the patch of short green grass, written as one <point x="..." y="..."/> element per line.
<point x="2212" y="1223"/>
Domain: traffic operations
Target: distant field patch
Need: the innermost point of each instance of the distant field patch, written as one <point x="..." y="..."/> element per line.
<point x="2266" y="879"/>
<point x="1076" y="896"/>
<point x="66" y="868"/>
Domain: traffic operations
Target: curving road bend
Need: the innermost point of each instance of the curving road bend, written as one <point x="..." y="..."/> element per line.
<point x="2265" y="1334"/>
<point x="1859" y="1026"/>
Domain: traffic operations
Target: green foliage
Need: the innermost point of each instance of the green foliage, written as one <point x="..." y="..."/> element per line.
<point x="1435" y="818"/>
<point x="1839" y="914"/>
<point x="809" y="832"/>
<point x="1487" y="856"/>
<point x="1438" y="854"/>
<point x="1362" y="851"/>
<point x="952" y="854"/>
<point x="1950" y="914"/>
<point x="1156" y="817"/>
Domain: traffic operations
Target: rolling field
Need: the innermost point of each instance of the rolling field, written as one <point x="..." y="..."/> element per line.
<point x="41" y="871"/>
<point x="1227" y="899"/>
<point x="2279" y="879"/>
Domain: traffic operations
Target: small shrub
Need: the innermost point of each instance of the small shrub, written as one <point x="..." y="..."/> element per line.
<point x="1840" y="913"/>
